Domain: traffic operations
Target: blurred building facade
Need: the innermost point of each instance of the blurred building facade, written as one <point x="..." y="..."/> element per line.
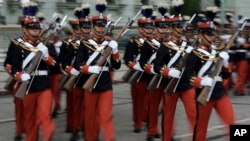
<point x="11" y="9"/>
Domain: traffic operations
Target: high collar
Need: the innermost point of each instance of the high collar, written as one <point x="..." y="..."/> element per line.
<point x="31" y="41"/>
<point x="97" y="39"/>
<point x="175" y="39"/>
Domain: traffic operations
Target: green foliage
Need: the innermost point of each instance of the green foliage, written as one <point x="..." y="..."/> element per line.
<point x="190" y="7"/>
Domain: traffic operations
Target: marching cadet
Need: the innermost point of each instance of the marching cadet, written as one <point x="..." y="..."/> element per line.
<point x="75" y="96"/>
<point x="238" y="59"/>
<point x="199" y="62"/>
<point x="66" y="57"/>
<point x="37" y="102"/>
<point x="85" y="26"/>
<point x="55" y="73"/>
<point x="98" y="102"/>
<point x="167" y="58"/>
<point x="19" y="111"/>
<point x="131" y="58"/>
<point x="148" y="54"/>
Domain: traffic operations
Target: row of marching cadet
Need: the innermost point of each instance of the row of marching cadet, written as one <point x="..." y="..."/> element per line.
<point x="171" y="57"/>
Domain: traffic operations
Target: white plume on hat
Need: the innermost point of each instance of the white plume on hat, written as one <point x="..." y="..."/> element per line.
<point x="177" y="2"/>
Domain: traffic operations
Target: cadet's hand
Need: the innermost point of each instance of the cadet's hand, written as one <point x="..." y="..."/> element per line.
<point x="44" y="50"/>
<point x="74" y="72"/>
<point x="137" y="67"/>
<point x="113" y="44"/>
<point x="207" y="81"/>
<point x="174" y="73"/>
<point x="224" y="55"/>
<point x="94" y="69"/>
<point x="25" y="77"/>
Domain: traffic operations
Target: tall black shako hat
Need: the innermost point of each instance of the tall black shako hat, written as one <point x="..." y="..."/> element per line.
<point x="29" y="20"/>
<point x="177" y="21"/>
<point x="100" y="20"/>
<point x="162" y="21"/>
<point x="85" y="21"/>
<point x="74" y="23"/>
<point x="146" y="21"/>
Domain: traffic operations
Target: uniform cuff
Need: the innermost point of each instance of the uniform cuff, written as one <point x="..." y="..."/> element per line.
<point x="147" y="68"/>
<point x="17" y="76"/>
<point x="116" y="56"/>
<point x="50" y="61"/>
<point x="85" y="69"/>
<point x="8" y="68"/>
<point x="197" y="82"/>
<point x="131" y="65"/>
<point x="164" y="71"/>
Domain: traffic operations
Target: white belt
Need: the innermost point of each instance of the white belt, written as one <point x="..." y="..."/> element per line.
<point x="241" y="50"/>
<point x="217" y="78"/>
<point x="40" y="72"/>
<point x="105" y="68"/>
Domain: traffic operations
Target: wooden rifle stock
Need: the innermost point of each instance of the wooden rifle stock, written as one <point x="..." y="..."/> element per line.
<point x="172" y="85"/>
<point x="135" y="76"/>
<point x="10" y="83"/>
<point x="63" y="80"/>
<point x="127" y="75"/>
<point x="21" y="92"/>
<point x="89" y="84"/>
<point x="153" y="82"/>
<point x="69" y="84"/>
<point x="206" y="92"/>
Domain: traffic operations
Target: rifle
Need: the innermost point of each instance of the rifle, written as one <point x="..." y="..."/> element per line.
<point x="89" y="84"/>
<point x="92" y="80"/>
<point x="22" y="90"/>
<point x="173" y="83"/>
<point x="206" y="92"/>
<point x="111" y="25"/>
<point x="136" y="76"/>
<point x="25" y="86"/>
<point x="125" y="28"/>
<point x="11" y="82"/>
<point x="155" y="81"/>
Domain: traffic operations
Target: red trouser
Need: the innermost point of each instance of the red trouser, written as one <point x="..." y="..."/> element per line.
<point x="188" y="99"/>
<point x="37" y="108"/>
<point x="56" y="90"/>
<point x="223" y="107"/>
<point x="78" y="110"/>
<point x="138" y="93"/>
<point x="242" y="71"/>
<point x="98" y="114"/>
<point x="69" y="103"/>
<point x="154" y="99"/>
<point x="19" y="114"/>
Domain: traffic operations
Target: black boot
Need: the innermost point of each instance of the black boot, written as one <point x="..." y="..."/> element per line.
<point x="18" y="137"/>
<point x="75" y="137"/>
<point x="150" y="138"/>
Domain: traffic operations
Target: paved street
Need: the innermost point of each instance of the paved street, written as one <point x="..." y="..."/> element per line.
<point x="123" y="121"/>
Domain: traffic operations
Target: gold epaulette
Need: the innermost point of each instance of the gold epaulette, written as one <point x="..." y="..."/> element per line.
<point x="88" y="45"/>
<point x="169" y="46"/>
<point x="74" y="45"/>
<point x="23" y="46"/>
<point x="138" y="43"/>
<point x="204" y="57"/>
<point x="152" y="45"/>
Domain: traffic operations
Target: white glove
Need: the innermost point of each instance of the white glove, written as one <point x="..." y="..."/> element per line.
<point x="94" y="69"/>
<point x="174" y="73"/>
<point x="137" y="67"/>
<point x="207" y="81"/>
<point x="113" y="44"/>
<point x="74" y="72"/>
<point x="224" y="55"/>
<point x="240" y="40"/>
<point x="25" y="77"/>
<point x="44" y="50"/>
